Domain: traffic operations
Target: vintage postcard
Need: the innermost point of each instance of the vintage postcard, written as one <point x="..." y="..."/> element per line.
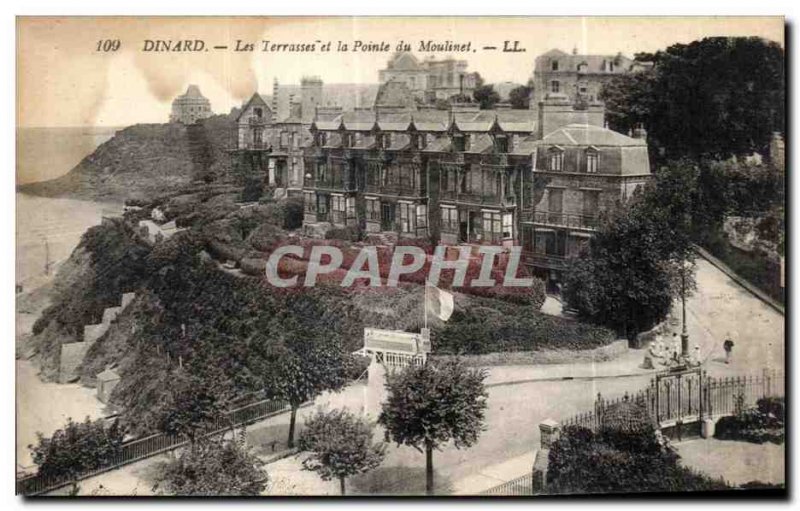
<point x="360" y="256"/>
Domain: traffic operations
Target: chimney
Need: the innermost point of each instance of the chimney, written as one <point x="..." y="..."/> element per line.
<point x="275" y="97"/>
<point x="295" y="107"/>
<point x="639" y="132"/>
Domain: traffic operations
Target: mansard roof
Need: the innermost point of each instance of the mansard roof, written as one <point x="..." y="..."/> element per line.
<point x="434" y="121"/>
<point x="594" y="63"/>
<point x="587" y="135"/>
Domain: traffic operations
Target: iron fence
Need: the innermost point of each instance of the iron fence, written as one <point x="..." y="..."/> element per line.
<point x="687" y="397"/>
<point x="141" y="448"/>
<point x="516" y="487"/>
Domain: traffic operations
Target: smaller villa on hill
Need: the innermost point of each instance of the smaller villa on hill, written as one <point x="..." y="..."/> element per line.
<point x="190" y="107"/>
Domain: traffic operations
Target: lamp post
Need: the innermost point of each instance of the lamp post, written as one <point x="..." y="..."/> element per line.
<point x="684" y="332"/>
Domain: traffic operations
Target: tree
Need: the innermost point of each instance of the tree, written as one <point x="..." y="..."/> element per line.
<point x="430" y="405"/>
<point x="309" y="362"/>
<point x="215" y="467"/>
<point x="520" y="97"/>
<point x="486" y="96"/>
<point x="191" y="407"/>
<point x="341" y="445"/>
<point x="713" y="98"/>
<point x="77" y="448"/>
<point x="639" y="260"/>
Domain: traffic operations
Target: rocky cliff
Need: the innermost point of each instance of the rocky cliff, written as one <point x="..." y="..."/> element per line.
<point x="146" y="159"/>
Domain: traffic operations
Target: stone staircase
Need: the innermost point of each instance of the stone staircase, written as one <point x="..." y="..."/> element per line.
<point x="72" y="354"/>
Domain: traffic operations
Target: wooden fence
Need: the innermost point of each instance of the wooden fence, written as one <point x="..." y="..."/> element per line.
<point x="688" y="397"/>
<point x="140" y="448"/>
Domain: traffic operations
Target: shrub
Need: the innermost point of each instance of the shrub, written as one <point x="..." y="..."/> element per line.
<point x="293" y="213"/>
<point x="775" y="406"/>
<point x="487" y="326"/>
<point x="617" y="461"/>
<point x="213" y="468"/>
<point x="78" y="448"/>
<point x="756" y="425"/>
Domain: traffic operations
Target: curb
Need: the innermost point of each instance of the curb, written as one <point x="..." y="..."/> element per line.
<point x="724" y="268"/>
<point x="567" y="378"/>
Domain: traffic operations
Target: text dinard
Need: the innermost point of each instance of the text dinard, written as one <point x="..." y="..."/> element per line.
<point x="269" y="46"/>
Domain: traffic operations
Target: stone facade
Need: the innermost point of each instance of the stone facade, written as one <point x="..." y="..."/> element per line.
<point x="580" y="170"/>
<point x="190" y="107"/>
<point x="578" y="76"/>
<point x="473" y="176"/>
<point x="272" y="148"/>
<point x="430" y="79"/>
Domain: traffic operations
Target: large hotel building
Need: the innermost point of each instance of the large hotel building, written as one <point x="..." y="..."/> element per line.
<point x="538" y="178"/>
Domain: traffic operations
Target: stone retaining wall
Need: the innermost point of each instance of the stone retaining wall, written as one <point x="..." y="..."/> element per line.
<point x="601" y="354"/>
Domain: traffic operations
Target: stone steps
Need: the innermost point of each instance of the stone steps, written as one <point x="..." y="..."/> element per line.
<point x="72" y="354"/>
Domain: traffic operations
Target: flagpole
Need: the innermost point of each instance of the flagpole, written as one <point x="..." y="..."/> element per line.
<point x="425" y="304"/>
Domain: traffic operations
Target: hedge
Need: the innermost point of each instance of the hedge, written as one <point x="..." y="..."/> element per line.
<point x="617" y="461"/>
<point x="488" y="326"/>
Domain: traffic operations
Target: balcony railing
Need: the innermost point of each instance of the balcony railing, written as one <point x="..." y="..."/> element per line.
<point x="346" y="185"/>
<point x="257" y="121"/>
<point x="394" y="189"/>
<point x="570" y="220"/>
<point x="509" y="201"/>
<point x="545" y="260"/>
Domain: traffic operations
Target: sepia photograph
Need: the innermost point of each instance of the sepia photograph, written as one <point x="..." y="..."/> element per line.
<point x="390" y="256"/>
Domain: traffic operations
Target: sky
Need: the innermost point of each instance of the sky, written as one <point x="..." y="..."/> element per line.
<point x="62" y="80"/>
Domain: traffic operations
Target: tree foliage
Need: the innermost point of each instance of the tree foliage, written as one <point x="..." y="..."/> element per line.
<point x="308" y="362"/>
<point x="341" y="445"/>
<point x="77" y="448"/>
<point x="192" y="406"/>
<point x="520" y="97"/>
<point x="616" y="461"/>
<point x="486" y="96"/>
<point x="637" y="262"/>
<point x="713" y="98"/>
<point x="430" y="405"/>
<point x="213" y="468"/>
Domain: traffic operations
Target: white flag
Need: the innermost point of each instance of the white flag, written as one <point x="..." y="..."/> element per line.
<point x="439" y="303"/>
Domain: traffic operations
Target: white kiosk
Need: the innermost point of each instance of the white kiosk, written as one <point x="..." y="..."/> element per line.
<point x="390" y="349"/>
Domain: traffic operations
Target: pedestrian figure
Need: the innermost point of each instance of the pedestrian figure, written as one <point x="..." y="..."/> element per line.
<point x="696" y="355"/>
<point x="728" y="347"/>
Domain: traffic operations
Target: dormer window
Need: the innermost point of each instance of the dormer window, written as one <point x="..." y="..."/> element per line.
<point x="556" y="159"/>
<point x="554" y="65"/>
<point x="501" y="144"/>
<point x="259" y="112"/>
<point x="592" y="160"/>
<point x="459" y="143"/>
